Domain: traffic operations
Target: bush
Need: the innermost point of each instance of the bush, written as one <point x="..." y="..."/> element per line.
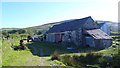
<point x="39" y="32"/>
<point x="12" y="31"/>
<point x="81" y="61"/>
<point x="116" y="61"/>
<point x="77" y="61"/>
<point x="66" y="59"/>
<point x="90" y="58"/>
<point x="55" y="56"/>
<point x="21" y="31"/>
<point x="113" y="63"/>
<point x="19" y="47"/>
<point x="73" y="61"/>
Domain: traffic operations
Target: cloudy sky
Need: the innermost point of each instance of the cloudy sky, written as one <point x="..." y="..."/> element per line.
<point x="20" y="14"/>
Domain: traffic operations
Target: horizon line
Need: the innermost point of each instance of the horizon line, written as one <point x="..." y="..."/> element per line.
<point x="46" y="24"/>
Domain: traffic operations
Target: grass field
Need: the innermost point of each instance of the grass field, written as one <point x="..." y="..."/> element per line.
<point x="11" y="57"/>
<point x="39" y="53"/>
<point x="49" y="48"/>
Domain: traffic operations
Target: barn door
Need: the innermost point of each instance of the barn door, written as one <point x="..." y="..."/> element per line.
<point x="90" y="42"/>
<point x="57" y="38"/>
<point x="62" y="37"/>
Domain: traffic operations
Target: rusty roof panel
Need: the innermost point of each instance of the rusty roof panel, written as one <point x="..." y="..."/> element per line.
<point x="98" y="34"/>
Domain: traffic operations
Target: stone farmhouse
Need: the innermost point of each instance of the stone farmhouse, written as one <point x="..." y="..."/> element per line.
<point x="83" y="32"/>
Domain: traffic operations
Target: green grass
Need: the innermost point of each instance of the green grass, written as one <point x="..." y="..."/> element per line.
<point x="25" y="57"/>
<point x="110" y="50"/>
<point x="0" y="53"/>
<point x="115" y="32"/>
<point x="81" y="59"/>
<point x="11" y="57"/>
<point x="116" y="36"/>
<point x="49" y="48"/>
<point x="107" y="51"/>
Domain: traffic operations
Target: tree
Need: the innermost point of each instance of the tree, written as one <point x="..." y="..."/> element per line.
<point x="21" y="31"/>
<point x="12" y="31"/>
<point x="39" y="32"/>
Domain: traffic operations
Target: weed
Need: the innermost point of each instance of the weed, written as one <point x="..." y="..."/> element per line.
<point x="55" y="56"/>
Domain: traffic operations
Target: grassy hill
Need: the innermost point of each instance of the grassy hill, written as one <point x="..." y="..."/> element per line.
<point x="43" y="28"/>
<point x="32" y="56"/>
<point x="114" y="26"/>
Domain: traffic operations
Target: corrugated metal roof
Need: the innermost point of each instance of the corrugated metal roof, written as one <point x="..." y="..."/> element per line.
<point x="98" y="34"/>
<point x="68" y="25"/>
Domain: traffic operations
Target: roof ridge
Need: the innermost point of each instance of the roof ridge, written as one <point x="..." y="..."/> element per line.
<point x="69" y="25"/>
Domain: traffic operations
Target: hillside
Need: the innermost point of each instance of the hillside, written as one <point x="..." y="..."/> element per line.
<point x="43" y="28"/>
<point x="114" y="26"/>
<point x="40" y="53"/>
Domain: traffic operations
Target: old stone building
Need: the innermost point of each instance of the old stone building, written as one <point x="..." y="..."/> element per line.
<point x="83" y="32"/>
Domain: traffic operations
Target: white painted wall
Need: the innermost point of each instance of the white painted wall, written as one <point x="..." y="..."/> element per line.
<point x="105" y="28"/>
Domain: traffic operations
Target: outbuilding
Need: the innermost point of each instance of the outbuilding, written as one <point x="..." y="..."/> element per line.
<point x="83" y="32"/>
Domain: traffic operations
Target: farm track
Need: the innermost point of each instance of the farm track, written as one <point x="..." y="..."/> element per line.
<point x="37" y="61"/>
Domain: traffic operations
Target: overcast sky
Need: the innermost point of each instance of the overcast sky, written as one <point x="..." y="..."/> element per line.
<point x="33" y="13"/>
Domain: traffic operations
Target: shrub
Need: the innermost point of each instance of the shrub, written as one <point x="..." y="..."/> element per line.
<point x="74" y="61"/>
<point x="55" y="56"/>
<point x="103" y="62"/>
<point x="113" y="63"/>
<point x="90" y="58"/>
<point x="81" y="61"/>
<point x="116" y="61"/>
<point x="66" y="59"/>
<point x="21" y="47"/>
<point x="77" y="61"/>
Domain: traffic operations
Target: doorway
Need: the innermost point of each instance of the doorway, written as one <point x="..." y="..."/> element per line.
<point x="57" y="38"/>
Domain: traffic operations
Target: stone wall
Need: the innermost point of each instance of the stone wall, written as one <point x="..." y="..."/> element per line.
<point x="70" y="37"/>
<point x="103" y="43"/>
